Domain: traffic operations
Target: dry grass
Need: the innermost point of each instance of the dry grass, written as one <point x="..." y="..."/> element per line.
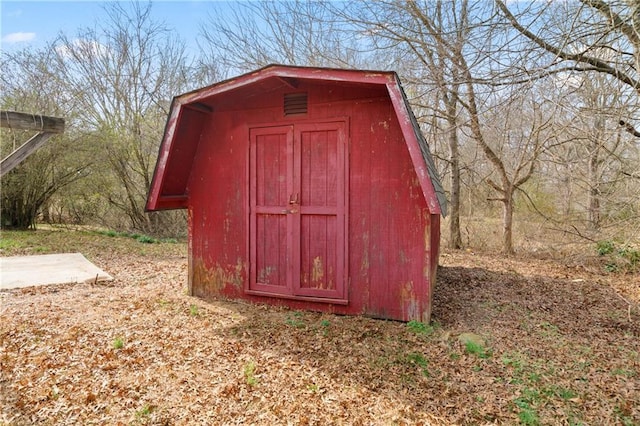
<point x="559" y="344"/>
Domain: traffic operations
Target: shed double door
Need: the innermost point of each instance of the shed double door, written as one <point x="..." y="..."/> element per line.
<point x="297" y="210"/>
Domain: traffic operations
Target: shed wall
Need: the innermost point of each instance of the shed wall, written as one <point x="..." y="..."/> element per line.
<point x="390" y="230"/>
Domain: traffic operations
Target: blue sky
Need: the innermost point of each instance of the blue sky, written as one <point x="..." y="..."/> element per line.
<point x="25" y="23"/>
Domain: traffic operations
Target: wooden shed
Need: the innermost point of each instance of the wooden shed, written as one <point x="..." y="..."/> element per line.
<point x="306" y="187"/>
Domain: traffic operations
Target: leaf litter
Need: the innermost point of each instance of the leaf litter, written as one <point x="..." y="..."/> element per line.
<point x="559" y="344"/>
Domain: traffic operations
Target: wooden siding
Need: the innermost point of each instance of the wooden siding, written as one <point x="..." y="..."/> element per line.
<point x="390" y="228"/>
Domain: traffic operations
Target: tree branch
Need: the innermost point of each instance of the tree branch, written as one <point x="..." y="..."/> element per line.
<point x="598" y="64"/>
<point x="629" y="128"/>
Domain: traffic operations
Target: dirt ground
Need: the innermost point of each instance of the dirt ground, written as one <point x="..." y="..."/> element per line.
<point x="550" y="343"/>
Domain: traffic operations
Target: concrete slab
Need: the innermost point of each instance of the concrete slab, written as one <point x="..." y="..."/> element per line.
<point x="27" y="271"/>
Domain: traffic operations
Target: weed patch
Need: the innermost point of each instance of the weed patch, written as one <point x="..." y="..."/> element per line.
<point x="420" y="328"/>
<point x="117" y="343"/>
<point x="249" y="374"/>
<point x="618" y="258"/>
<point x="295" y="320"/>
<point x="193" y="310"/>
<point x="141" y="238"/>
<point x="419" y="361"/>
<point x="477" y="349"/>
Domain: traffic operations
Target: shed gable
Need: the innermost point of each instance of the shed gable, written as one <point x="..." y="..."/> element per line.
<point x="190" y="112"/>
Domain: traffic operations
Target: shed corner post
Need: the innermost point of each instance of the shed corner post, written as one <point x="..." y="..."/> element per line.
<point x="190" y="265"/>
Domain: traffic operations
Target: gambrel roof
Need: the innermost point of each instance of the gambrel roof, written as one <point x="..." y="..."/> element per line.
<point x="189" y="111"/>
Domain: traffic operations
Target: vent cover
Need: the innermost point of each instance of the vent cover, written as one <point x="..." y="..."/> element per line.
<point x="295" y="103"/>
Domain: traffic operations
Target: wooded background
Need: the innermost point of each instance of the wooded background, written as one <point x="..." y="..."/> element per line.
<point x="530" y="109"/>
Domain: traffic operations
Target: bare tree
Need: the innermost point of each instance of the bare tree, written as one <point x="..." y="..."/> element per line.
<point x="28" y="85"/>
<point x="122" y="74"/>
<point x="421" y="41"/>
<point x="593" y="45"/>
<point x="248" y="35"/>
<point x="451" y="40"/>
<point x="590" y="36"/>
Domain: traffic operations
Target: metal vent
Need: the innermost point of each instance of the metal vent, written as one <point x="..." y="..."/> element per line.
<point x="295" y="103"/>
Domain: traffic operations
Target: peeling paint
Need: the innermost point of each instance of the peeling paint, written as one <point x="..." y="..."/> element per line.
<point x="211" y="281"/>
<point x="265" y="273"/>
<point x="364" y="266"/>
<point x="410" y="305"/>
<point x="427" y="249"/>
<point x="317" y="273"/>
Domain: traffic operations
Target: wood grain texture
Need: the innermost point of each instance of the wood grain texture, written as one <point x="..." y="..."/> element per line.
<point x="322" y="211"/>
<point x="24" y="151"/>
<point x="38" y="123"/>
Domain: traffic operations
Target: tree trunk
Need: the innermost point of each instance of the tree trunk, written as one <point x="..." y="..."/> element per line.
<point x="593" y="209"/>
<point x="594" y="194"/>
<point x="455" y="237"/>
<point x="507" y="222"/>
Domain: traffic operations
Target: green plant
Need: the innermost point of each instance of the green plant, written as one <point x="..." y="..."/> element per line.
<point x="611" y="267"/>
<point x="605" y="247"/>
<point x="477" y="349"/>
<point x="325" y="324"/>
<point x="549" y="330"/>
<point x="145" y="239"/>
<point x="420" y="361"/>
<point x="193" y="310"/>
<point x="419" y="327"/>
<point x="295" y="320"/>
<point x="623" y="372"/>
<point x="631" y="257"/>
<point x="141" y="238"/>
<point x="565" y="394"/>
<point x="618" y="259"/>
<point x="6" y="243"/>
<point x="527" y="415"/>
<point x="145" y="411"/>
<point x="534" y="377"/>
<point x="249" y="373"/>
<point x="623" y="413"/>
<point x="118" y="343"/>
<point x="513" y="360"/>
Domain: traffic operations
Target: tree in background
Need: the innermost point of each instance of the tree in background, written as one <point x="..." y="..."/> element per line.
<point x="423" y="40"/>
<point x="250" y="35"/>
<point x="449" y="46"/>
<point x="122" y="74"/>
<point x="29" y="85"/>
<point x="593" y="48"/>
<point x="589" y="36"/>
<point x="516" y="98"/>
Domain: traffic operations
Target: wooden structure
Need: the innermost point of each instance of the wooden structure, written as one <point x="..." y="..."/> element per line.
<point x="45" y="126"/>
<point x="306" y="187"/>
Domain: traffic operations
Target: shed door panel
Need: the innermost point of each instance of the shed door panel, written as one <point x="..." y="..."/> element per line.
<point x="297" y="219"/>
<point x="271" y="170"/>
<point x="322" y="198"/>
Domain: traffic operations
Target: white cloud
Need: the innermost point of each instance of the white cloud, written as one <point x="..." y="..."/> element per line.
<point x="83" y="48"/>
<point x="18" y="37"/>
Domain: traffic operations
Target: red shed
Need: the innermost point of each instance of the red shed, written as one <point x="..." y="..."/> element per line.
<point x="306" y="187"/>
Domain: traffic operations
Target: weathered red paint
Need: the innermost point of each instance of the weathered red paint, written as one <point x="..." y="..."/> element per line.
<point x="334" y="210"/>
